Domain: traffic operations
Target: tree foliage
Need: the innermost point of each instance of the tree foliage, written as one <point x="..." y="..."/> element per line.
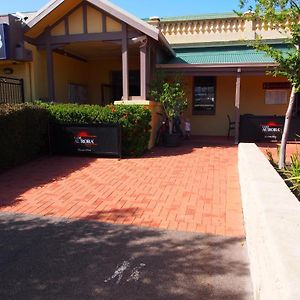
<point x="284" y="16"/>
<point x="170" y="94"/>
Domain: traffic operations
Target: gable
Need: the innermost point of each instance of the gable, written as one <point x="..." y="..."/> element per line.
<point x="87" y="13"/>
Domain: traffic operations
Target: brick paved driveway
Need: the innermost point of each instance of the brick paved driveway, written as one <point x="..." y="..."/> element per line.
<point x="191" y="188"/>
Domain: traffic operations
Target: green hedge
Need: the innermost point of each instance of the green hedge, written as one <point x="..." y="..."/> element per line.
<point x="134" y="119"/>
<point x="24" y="131"/>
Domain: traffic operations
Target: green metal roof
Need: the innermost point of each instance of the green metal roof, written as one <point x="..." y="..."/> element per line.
<point x="222" y="55"/>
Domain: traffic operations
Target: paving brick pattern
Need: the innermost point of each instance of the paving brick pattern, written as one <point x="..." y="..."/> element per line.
<point x="191" y="188"/>
<point x="292" y="148"/>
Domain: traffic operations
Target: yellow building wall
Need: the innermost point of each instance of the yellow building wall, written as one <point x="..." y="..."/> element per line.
<point x="68" y="70"/>
<point x="94" y="20"/>
<point x="76" y="21"/>
<point x="20" y="71"/>
<point x="253" y="96"/>
<point x="59" y="29"/>
<point x="94" y="23"/>
<point x="112" y="25"/>
<point x="252" y="102"/>
<point x="100" y="73"/>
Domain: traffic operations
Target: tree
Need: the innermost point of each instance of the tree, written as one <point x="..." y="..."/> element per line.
<point x="284" y="16"/>
<point x="171" y="96"/>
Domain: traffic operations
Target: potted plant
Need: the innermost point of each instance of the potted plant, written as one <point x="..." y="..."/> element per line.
<point x="173" y="100"/>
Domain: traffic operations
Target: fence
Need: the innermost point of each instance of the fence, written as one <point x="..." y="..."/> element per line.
<point x="11" y="90"/>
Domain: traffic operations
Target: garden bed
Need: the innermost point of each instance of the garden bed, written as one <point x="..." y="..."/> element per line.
<point x="291" y="173"/>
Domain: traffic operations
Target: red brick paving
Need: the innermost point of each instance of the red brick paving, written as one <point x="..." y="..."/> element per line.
<point x="190" y="188"/>
<point x="292" y="148"/>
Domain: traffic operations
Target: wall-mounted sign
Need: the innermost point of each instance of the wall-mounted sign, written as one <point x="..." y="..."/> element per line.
<point x="4" y="53"/>
<point x="104" y="139"/>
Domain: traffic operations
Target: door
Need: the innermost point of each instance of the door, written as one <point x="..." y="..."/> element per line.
<point x="117" y="86"/>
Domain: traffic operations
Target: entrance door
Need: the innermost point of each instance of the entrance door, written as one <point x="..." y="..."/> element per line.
<point x="134" y="84"/>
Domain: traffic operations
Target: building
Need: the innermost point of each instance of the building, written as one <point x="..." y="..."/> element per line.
<point x="94" y="52"/>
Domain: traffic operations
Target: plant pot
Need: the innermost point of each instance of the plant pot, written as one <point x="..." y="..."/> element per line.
<point x="172" y="140"/>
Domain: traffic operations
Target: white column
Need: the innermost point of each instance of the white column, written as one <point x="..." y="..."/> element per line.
<point x="237" y="105"/>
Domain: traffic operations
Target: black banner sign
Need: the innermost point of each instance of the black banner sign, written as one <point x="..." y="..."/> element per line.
<point x="4" y="54"/>
<point x="86" y="139"/>
<point x="266" y="128"/>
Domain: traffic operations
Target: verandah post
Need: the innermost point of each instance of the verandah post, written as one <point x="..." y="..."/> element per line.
<point x="50" y="71"/>
<point x="143" y="68"/>
<point x="125" y="62"/>
<point x="237" y="105"/>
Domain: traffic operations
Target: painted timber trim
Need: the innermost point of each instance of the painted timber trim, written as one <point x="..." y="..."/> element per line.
<point x="43" y="12"/>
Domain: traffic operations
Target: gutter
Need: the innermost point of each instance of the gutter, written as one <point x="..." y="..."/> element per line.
<point x="197" y="66"/>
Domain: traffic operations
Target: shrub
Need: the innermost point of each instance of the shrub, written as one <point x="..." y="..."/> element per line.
<point x="24" y="129"/>
<point x="291" y="173"/>
<point x="134" y="119"/>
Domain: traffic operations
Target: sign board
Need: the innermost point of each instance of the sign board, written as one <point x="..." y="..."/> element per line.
<point x="272" y="130"/>
<point x="4" y="53"/>
<point x="86" y="139"/>
<point x="266" y="128"/>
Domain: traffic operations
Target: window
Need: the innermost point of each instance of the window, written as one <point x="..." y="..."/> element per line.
<point x="276" y="96"/>
<point x="77" y="93"/>
<point x="204" y="96"/>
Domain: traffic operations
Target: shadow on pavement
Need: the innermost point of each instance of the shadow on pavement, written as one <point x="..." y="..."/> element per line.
<point x="36" y="174"/>
<point x="56" y="259"/>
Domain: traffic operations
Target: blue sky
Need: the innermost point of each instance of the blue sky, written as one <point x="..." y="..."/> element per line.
<point x="141" y="8"/>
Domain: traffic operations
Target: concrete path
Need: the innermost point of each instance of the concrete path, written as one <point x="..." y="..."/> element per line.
<point x="51" y="258"/>
<point x="193" y="188"/>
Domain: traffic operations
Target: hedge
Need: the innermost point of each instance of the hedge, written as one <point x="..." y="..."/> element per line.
<point x="24" y="131"/>
<point x="134" y="119"/>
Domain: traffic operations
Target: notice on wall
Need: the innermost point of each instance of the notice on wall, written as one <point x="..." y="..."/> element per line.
<point x="3" y="41"/>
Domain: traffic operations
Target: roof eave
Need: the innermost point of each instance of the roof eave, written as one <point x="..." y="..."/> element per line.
<point x="232" y="65"/>
<point x="165" y="43"/>
<point x="107" y="6"/>
<point x="43" y="12"/>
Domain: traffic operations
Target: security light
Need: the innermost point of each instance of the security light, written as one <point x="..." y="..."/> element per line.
<point x="140" y="39"/>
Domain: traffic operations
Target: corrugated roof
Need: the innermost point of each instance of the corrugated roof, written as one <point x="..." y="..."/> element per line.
<point x="222" y="55"/>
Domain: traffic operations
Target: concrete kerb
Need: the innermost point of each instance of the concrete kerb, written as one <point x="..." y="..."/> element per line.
<point x="272" y="223"/>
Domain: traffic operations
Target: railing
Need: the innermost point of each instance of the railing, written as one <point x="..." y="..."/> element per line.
<point x="217" y="30"/>
<point x="203" y="26"/>
<point x="11" y="90"/>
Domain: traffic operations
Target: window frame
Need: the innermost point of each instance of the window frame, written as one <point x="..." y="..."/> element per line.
<point x="214" y="80"/>
<point x="269" y="94"/>
<point x="77" y="87"/>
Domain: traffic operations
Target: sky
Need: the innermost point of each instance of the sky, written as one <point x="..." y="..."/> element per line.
<point x="140" y="8"/>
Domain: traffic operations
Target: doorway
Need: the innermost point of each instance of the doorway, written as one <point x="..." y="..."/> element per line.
<point x="134" y="84"/>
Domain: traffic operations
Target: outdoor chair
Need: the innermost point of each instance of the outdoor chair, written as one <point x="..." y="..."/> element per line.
<point x="231" y="126"/>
